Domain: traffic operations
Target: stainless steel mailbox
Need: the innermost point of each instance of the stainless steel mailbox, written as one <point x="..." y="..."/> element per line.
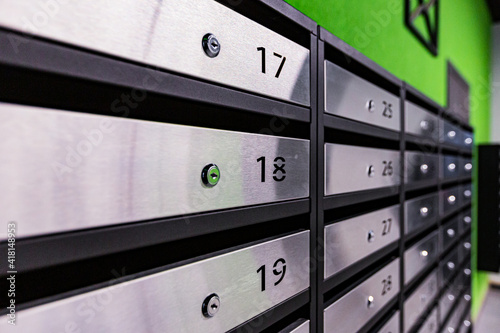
<point x="349" y="241"/>
<point x="449" y="233"/>
<point x="392" y="325"/>
<point x="67" y="170"/>
<point x="431" y="324"/>
<point x="170" y="34"/>
<point x="454" y="321"/>
<point x="449" y="167"/>
<point x="420" y="300"/>
<point x="420" y="167"/>
<point x="421" y="211"/>
<point x="450" y="133"/>
<point x="450" y="200"/>
<point x="420" y="122"/>
<point x="172" y="300"/>
<point x="420" y="256"/>
<point x="353" y="310"/>
<point x="349" y="96"/>
<point x="352" y="168"/>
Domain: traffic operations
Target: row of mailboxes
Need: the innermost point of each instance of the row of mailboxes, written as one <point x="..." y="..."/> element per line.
<point x="86" y="173"/>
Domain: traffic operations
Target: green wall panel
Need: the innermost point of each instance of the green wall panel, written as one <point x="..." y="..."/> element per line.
<point x="377" y="29"/>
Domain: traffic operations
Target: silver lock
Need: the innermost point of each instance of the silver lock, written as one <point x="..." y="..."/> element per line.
<point x="370" y="105"/>
<point x="425" y="125"/>
<point x="467" y="245"/>
<point x="210" y="45"/>
<point x="450" y="265"/>
<point x="467" y="323"/>
<point x="452" y="199"/>
<point x="468" y="141"/>
<point x="467" y="272"/>
<point x="452" y="167"/>
<point x="450" y="232"/>
<point x="452" y="134"/>
<point x="210" y="306"/>
<point x="371" y="236"/>
<point x="468" y="167"/>
<point x="467" y="219"/>
<point x="451" y="297"/>
<point x="210" y="175"/>
<point x="371" y="171"/>
<point x="424" y="168"/>
<point x="467" y="193"/>
<point x="424" y="211"/>
<point x="467" y="297"/>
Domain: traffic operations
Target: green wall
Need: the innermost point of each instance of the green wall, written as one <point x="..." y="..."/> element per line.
<point x="376" y="28"/>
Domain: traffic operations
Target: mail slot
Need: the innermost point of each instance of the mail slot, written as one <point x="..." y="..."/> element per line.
<point x="449" y="233"/>
<point x="204" y="39"/>
<point x="420" y="300"/>
<point x="74" y="170"/>
<point x="466" y="191"/>
<point x="465" y="167"/>
<point x="421" y="122"/>
<point x="349" y="96"/>
<point x="431" y="324"/>
<point x="392" y="325"/>
<point x="351" y="168"/>
<point x="212" y="295"/>
<point x="450" y="134"/>
<point x="420" y="167"/>
<point x="353" y="310"/>
<point x="421" y="211"/>
<point x="448" y="266"/>
<point x="450" y="200"/>
<point x="351" y="240"/>
<point x="420" y="255"/>
<point x="466" y="220"/>
<point x="449" y="167"/>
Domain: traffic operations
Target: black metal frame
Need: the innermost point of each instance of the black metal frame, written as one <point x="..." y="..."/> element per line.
<point x="432" y="44"/>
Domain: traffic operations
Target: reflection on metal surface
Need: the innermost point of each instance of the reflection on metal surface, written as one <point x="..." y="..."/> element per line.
<point x="349" y="96"/>
<point x="415" y="260"/>
<point x="420" y="122"/>
<point x="392" y="325"/>
<point x="351" y="168"/>
<point x="449" y="168"/>
<point x="420" y="212"/>
<point x="349" y="241"/>
<point x="168" y="34"/>
<point x="65" y="170"/>
<point x="170" y="301"/>
<point x="350" y="312"/>
<point x="419" y="300"/>
<point x="420" y="166"/>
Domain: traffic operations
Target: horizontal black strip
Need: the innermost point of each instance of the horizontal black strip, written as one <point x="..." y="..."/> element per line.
<point x="334" y="122"/>
<point x="351" y="198"/>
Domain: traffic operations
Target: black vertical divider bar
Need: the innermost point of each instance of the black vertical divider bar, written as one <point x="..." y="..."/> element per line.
<point x="313" y="249"/>
<point x="320" y="135"/>
<point x="402" y="194"/>
<point x="440" y="185"/>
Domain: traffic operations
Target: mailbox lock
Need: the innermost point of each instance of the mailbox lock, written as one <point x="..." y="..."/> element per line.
<point x="467" y="297"/>
<point x="425" y="125"/>
<point x="371" y="171"/>
<point x="370" y="105"/>
<point x="452" y="134"/>
<point x="210" y="45"/>
<point x="467" y="272"/>
<point x="467" y="219"/>
<point x="210" y="175"/>
<point x="370" y="302"/>
<point x="424" y="168"/>
<point x="424" y="211"/>
<point x="451" y="199"/>
<point x="371" y="236"/>
<point x="467" y="193"/>
<point x="451" y="297"/>
<point x="467" y="245"/>
<point x="211" y="305"/>
<point x="450" y="265"/>
<point x="468" y="167"/>
<point x="450" y="232"/>
<point x="467" y="323"/>
<point x="468" y="141"/>
<point x="451" y="167"/>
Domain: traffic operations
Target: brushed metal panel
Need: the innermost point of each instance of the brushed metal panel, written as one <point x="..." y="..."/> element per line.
<point x="353" y="310"/>
<point x="171" y="301"/>
<point x="431" y="324"/>
<point x="351" y="168"/>
<point x="420" y="300"/>
<point x="450" y="167"/>
<point x="420" y="122"/>
<point x="465" y="167"/>
<point x="420" y="166"/>
<point x="392" y="325"/>
<point x="466" y="191"/>
<point x="450" y="200"/>
<point x="421" y="211"/>
<point x="303" y="328"/>
<point x="349" y="96"/>
<point x="420" y="256"/>
<point x="168" y="34"/>
<point x="448" y="266"/>
<point x="449" y="233"/>
<point x="450" y="134"/>
<point x="65" y="170"/>
<point x="351" y="240"/>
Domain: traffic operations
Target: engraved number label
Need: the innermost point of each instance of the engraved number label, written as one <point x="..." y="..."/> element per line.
<point x="388" y="168"/>
<point x="280" y="68"/>
<point x="279" y="173"/>
<point x="279" y="269"/>
<point x="386" y="285"/>
<point x="387" y="226"/>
